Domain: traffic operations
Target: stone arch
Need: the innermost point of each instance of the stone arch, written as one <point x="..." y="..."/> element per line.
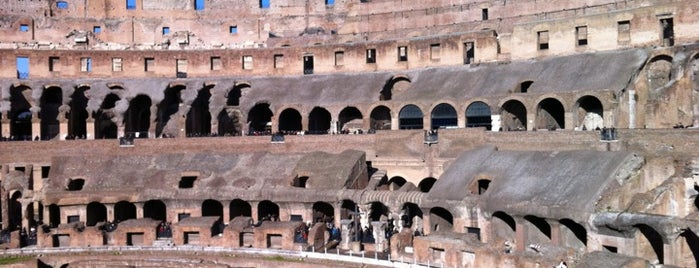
<point x="573" y="234"/>
<point x="20" y="114"/>
<point x="378" y="209"/>
<point x="233" y="96"/>
<point x="659" y="71"/>
<point x="323" y="212"/>
<point x="350" y="115"/>
<point x="50" y="103"/>
<point x="96" y="212"/>
<point x="426" y="184"/>
<point x="14" y="210"/>
<point x="260" y="119"/>
<point x="266" y="209"/>
<point x="290" y="120"/>
<point x="589" y="113"/>
<point x="230" y="122"/>
<point x="513" y="115"/>
<point x="54" y="215"/>
<point x="536" y="223"/>
<point x="443" y="116"/>
<point x="137" y="117"/>
<point x="478" y="114"/>
<point x="380" y="118"/>
<point x="319" y="121"/>
<point x="410" y="117"/>
<point x="651" y="245"/>
<point x="694" y="91"/>
<point x="503" y="227"/>
<point x="395" y="84"/>
<point x="412" y="216"/>
<point x="77" y="116"/>
<point x="441" y="220"/>
<point x="692" y="241"/>
<point x="124" y="210"/>
<point x="169" y="106"/>
<point x="105" y="127"/>
<point x="198" y="121"/>
<point x="480" y="185"/>
<point x="524" y="86"/>
<point x="239" y="208"/>
<point x="155" y="209"/>
<point x="210" y="207"/>
<point x="394" y="184"/>
<point x="550" y="114"/>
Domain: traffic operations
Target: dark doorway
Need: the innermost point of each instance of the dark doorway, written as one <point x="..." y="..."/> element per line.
<point x="155" y="209"/>
<point x="426" y="184"/>
<point x="381" y="118"/>
<point x="323" y="212"/>
<point x="290" y="120"/>
<point x="239" y="208"/>
<point x="124" y="210"/>
<point x="260" y="119"/>
<point x="319" y="121"/>
<point x="441" y="219"/>
<point x="514" y="116"/>
<point x="478" y="115"/>
<point x="267" y="210"/>
<point x="96" y="213"/>
<point x="77" y="117"/>
<point x="229" y="122"/>
<point x="20" y="116"/>
<point x="167" y="107"/>
<point x="199" y="118"/>
<point x="211" y="207"/>
<point x="137" y="117"/>
<point x="410" y="117"/>
<point x="105" y="127"/>
<point x="350" y="116"/>
<point x="51" y="101"/>
<point x="589" y="113"/>
<point x="308" y="64"/>
<point x="550" y="115"/>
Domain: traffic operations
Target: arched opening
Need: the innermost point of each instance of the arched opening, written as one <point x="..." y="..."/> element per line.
<point x="96" y="212"/>
<point x="260" y="119"/>
<point x="443" y="116"/>
<point x="137" y="117"/>
<point x="503" y="227"/>
<point x="75" y="184"/>
<point x="513" y="116"/>
<point x="14" y="211"/>
<point x="124" y="210"/>
<point x="198" y="117"/>
<point x="478" y="115"/>
<point x="378" y="209"/>
<point x="381" y="118"/>
<point x="692" y="243"/>
<point x="589" y="113"/>
<point x="524" y="86"/>
<point x="350" y="118"/>
<point x="267" y="210"/>
<point x="396" y="183"/>
<point x="659" y="72"/>
<point x="651" y="245"/>
<point x="230" y="122"/>
<point x="233" y="97"/>
<point x="239" y="208"/>
<point x="323" y="212"/>
<point x="166" y="108"/>
<point x="537" y="223"/>
<point x="54" y="215"/>
<point x="319" y="121"/>
<point x="300" y="181"/>
<point x="480" y="186"/>
<point x="441" y="220"/>
<point x="77" y="117"/>
<point x="550" y="114"/>
<point x="348" y="210"/>
<point x="51" y="100"/>
<point x="290" y="120"/>
<point x="20" y="116"/>
<point x="573" y="235"/>
<point x="105" y="127"/>
<point x="394" y="85"/>
<point x="426" y="184"/>
<point x="410" y="117"/>
<point x="155" y="209"/>
<point x="412" y="217"/>
<point x="211" y="207"/>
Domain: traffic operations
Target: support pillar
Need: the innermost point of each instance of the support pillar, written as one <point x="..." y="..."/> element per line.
<point x="426" y="121"/>
<point x="395" y="123"/>
<point x="5" y="125"/>
<point x="496" y="122"/>
<point x="62" y="128"/>
<point x="152" y="120"/>
<point x="226" y="212"/>
<point x="531" y="124"/>
<point x="569" y="121"/>
<point x="555" y="233"/>
<point x="139" y="210"/>
<point x="632" y="108"/>
<point x="90" y="127"/>
<point x="426" y="222"/>
<point x="36" y="126"/>
<point x="254" y="213"/>
<point x="110" y="212"/>
<point x="520" y="236"/>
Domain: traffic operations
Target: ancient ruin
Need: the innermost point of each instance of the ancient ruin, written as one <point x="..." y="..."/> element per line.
<point x="459" y="133"/>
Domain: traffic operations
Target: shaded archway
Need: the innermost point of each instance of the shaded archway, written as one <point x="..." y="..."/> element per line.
<point x="233" y="97"/>
<point x="534" y="223"/>
<point x="350" y="115"/>
<point x="550" y="114"/>
<point x="692" y="241"/>
<point x="239" y="208"/>
<point x="319" y="121"/>
<point x="155" y="209"/>
<point x="573" y="234"/>
<point x="105" y="127"/>
<point x="426" y="184"/>
<point x="124" y="210"/>
<point x="96" y="212"/>
<point x="230" y="122"/>
<point x="396" y="183"/>
<point x="77" y="117"/>
<point x="198" y="117"/>
<point x="589" y="113"/>
<point x="441" y="220"/>
<point x="378" y="209"/>
<point x="260" y="119"/>
<point x="503" y="226"/>
<point x="14" y="211"/>
<point x="659" y="72"/>
<point x="395" y="84"/>
<point x="478" y="115"/>
<point x="290" y="120"/>
<point x="380" y="118"/>
<point x="513" y="116"/>
<point x="410" y="117"/>
<point x="348" y="210"/>
<point x="211" y="207"/>
<point x="651" y="245"/>
<point x="443" y="116"/>
<point x="137" y="117"/>
<point x="20" y="116"/>
<point x="51" y="101"/>
<point x="167" y="107"/>
<point x="412" y="217"/>
<point x="323" y="212"/>
<point x="54" y="215"/>
<point x="267" y="210"/>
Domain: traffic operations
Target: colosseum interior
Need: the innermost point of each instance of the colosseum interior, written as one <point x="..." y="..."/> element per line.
<point x="340" y="133"/>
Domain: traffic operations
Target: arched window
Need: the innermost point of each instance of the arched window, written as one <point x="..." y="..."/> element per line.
<point x="410" y="117"/>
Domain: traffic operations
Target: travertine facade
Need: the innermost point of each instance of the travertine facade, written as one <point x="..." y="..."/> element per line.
<point x="513" y="133"/>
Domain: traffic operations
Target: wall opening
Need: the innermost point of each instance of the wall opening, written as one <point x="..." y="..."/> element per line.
<point x="478" y="115"/>
<point x="75" y="184"/>
<point x="22" y="67"/>
<point x="350" y="118"/>
<point x="51" y="101"/>
<point x="77" y="116"/>
<point x="212" y="207"/>
<point x="105" y="127"/>
<point x="260" y="119"/>
<point x="290" y="121"/>
<point x="589" y="113"/>
<point x="319" y="121"/>
<point x="300" y="182"/>
<point x="239" y="208"/>
<point x="550" y="114"/>
<point x="514" y="116"/>
<point x="668" y="32"/>
<point x="426" y="184"/>
<point x="543" y="40"/>
<point x="444" y="116"/>
<point x="198" y="123"/>
<point x="371" y="55"/>
<point x="581" y="35"/>
<point x="651" y="245"/>
<point x="323" y="212"/>
<point x="124" y="210"/>
<point x="484" y="14"/>
<point x="469" y="52"/>
<point x="187" y="182"/>
<point x="410" y="117"/>
<point x="441" y="220"/>
<point x="624" y="33"/>
<point x="137" y="117"/>
<point x="308" y="64"/>
<point x="380" y="118"/>
<point x="20" y="115"/>
<point x="155" y="209"/>
<point x="402" y="53"/>
<point x="168" y="107"/>
<point x="267" y="210"/>
<point x="96" y="213"/>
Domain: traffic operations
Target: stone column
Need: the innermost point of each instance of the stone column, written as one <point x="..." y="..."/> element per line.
<point x="226" y="212"/>
<point x="5" y="125"/>
<point x="520" y="236"/>
<point x="153" y="117"/>
<point x="333" y="126"/>
<point x="90" y="127"/>
<point x="364" y="212"/>
<point x="426" y="222"/>
<point x="555" y="233"/>
<point x="632" y="108"/>
<point x="569" y="120"/>
<point x="139" y="210"/>
<point x="496" y="122"/>
<point x="426" y="121"/>
<point x="36" y="125"/>
<point x="395" y="123"/>
<point x="304" y="122"/>
<point x="379" y="236"/>
<point x="347" y="233"/>
<point x="254" y="211"/>
<point x="531" y="121"/>
<point x="110" y="212"/>
<point x="62" y="127"/>
<point x="337" y="214"/>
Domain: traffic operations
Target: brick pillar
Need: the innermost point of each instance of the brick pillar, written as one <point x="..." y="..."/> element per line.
<point x="520" y="236"/>
<point x="139" y="210"/>
<point x="226" y="211"/>
<point x="4" y="125"/>
<point x="569" y="119"/>
<point x="555" y="233"/>
<point x="254" y="210"/>
<point x="153" y="117"/>
<point x="62" y="128"/>
<point x="426" y="225"/>
<point x="110" y="212"/>
<point x="36" y="125"/>
<point x="531" y="120"/>
<point x="395" y="123"/>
